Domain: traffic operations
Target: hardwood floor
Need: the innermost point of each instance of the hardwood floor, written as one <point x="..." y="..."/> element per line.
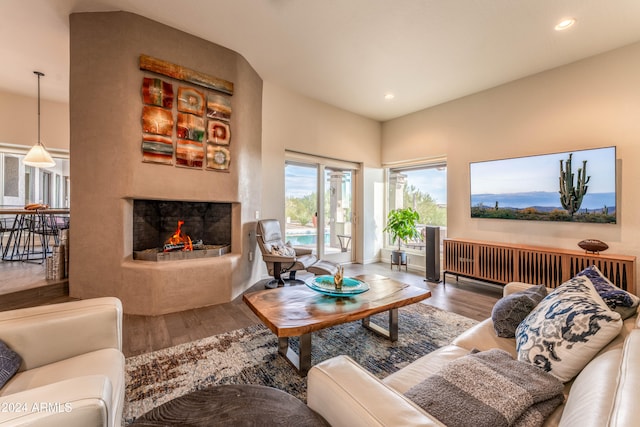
<point x="18" y="276"/>
<point x="142" y="334"/>
<point x="23" y="284"/>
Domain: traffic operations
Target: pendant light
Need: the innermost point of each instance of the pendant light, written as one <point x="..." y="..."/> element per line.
<point x="38" y="156"/>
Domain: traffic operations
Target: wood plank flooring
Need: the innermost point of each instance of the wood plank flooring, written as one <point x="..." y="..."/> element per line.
<point x="23" y="284"/>
<point x="142" y="334"/>
<point x="18" y="276"/>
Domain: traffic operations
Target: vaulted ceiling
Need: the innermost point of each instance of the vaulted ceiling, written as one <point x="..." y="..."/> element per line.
<point x="347" y="53"/>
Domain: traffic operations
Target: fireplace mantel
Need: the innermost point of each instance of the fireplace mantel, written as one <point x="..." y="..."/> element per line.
<point x="169" y="287"/>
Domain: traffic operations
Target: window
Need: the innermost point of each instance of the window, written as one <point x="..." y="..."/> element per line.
<point x="29" y="184"/>
<point x="424" y="188"/>
<point x="21" y="184"/>
<point x="67" y="192"/>
<point x="45" y="187"/>
<point x="301" y="204"/>
<point x="58" y="191"/>
<point x="11" y="176"/>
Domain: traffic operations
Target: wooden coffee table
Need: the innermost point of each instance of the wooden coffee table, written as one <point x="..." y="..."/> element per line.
<point x="297" y="311"/>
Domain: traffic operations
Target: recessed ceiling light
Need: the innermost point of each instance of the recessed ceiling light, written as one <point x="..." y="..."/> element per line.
<point x="389" y="96"/>
<point x="565" y="24"/>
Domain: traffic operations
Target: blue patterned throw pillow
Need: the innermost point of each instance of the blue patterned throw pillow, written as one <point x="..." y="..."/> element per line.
<point x="617" y="299"/>
<point x="9" y="363"/>
<point x="566" y="330"/>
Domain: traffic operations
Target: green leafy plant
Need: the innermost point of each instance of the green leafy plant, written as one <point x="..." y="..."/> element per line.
<point x="402" y="224"/>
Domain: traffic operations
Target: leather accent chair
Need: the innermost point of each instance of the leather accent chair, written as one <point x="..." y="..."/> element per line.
<point x="72" y="370"/>
<point x="269" y="235"/>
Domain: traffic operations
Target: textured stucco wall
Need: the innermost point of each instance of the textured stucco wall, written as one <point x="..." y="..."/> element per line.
<point x="108" y="172"/>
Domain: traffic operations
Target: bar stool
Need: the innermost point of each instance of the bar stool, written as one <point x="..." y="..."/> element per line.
<point x="3" y="228"/>
<point x="41" y="226"/>
<point x="13" y="244"/>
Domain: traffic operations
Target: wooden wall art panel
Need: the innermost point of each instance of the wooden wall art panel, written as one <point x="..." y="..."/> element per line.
<point x="190" y="127"/>
<point x="218" y="132"/>
<point x="218" y="157"/>
<point x="157" y="120"/>
<point x="157" y="92"/>
<point x="189" y="154"/>
<point x="185" y="74"/>
<point x="219" y="107"/>
<point x="191" y="101"/>
<point x="197" y="112"/>
<point x="157" y="149"/>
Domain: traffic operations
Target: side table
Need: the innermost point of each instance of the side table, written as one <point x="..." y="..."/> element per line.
<point x="233" y="405"/>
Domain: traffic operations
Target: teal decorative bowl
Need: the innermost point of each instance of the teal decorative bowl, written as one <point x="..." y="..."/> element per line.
<point x="325" y="285"/>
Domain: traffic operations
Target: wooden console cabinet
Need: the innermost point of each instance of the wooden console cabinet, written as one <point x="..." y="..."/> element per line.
<point x="504" y="263"/>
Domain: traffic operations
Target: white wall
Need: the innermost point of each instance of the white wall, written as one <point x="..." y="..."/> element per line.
<point x="19" y="132"/>
<point x="294" y="122"/>
<point x="587" y="104"/>
<point x="374" y="193"/>
<point x="19" y="120"/>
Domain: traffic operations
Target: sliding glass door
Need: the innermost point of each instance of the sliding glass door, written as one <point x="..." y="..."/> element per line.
<point x="301" y="205"/>
<point x="338" y="209"/>
<point x="319" y="207"/>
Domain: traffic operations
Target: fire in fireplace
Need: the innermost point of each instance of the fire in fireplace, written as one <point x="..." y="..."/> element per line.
<point x="156" y="238"/>
<point x="178" y="241"/>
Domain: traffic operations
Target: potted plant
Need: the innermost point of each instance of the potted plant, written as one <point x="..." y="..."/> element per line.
<point x="401" y="223"/>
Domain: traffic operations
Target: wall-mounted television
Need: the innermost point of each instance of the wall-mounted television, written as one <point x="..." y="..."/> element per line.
<point x="573" y="186"/>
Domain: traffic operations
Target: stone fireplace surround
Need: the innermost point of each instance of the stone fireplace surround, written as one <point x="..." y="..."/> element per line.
<point x="108" y="173"/>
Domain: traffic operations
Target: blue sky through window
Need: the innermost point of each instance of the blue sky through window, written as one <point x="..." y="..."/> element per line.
<point x="300" y="181"/>
<point x="432" y="181"/>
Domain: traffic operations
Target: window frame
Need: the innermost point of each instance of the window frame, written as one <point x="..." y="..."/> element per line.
<point x="418" y="164"/>
<point x="322" y="163"/>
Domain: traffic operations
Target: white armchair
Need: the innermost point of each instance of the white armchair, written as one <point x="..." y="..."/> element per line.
<point x="72" y="371"/>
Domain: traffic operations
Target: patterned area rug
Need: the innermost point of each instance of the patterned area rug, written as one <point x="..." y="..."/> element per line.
<point x="249" y="356"/>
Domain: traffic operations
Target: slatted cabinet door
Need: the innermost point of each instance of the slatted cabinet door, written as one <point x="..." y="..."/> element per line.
<point x="459" y="257"/>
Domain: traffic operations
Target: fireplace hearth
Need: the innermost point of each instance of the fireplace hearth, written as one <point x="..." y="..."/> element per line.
<point x="157" y="254"/>
<point x="203" y="230"/>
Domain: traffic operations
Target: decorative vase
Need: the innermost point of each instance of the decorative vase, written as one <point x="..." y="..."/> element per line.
<point x="338" y="278"/>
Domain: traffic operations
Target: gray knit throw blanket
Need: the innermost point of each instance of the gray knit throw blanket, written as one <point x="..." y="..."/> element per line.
<point x="490" y="389"/>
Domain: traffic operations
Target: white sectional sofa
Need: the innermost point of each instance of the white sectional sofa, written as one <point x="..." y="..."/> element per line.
<point x="605" y="393"/>
<point x="72" y="369"/>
